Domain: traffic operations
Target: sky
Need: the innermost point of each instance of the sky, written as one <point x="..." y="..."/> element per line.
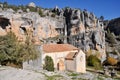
<point x="108" y="8"/>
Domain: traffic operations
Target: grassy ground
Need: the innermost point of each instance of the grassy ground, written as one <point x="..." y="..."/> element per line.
<point x="55" y="77"/>
<point x="101" y="73"/>
<point x="92" y="74"/>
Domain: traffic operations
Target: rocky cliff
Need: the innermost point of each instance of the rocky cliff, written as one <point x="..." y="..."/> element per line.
<point x="79" y="28"/>
<point x="113" y="36"/>
<point x="114" y="26"/>
<point x="85" y="28"/>
<point x="29" y="23"/>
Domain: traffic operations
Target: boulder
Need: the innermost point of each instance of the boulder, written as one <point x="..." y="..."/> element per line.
<point x="31" y="4"/>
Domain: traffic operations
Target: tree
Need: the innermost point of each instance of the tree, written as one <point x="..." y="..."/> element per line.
<point x="7" y="47"/>
<point x="5" y="4"/>
<point x="102" y="18"/>
<point x="12" y="51"/>
<point x="32" y="9"/>
<point x="49" y="65"/>
<point x="29" y="52"/>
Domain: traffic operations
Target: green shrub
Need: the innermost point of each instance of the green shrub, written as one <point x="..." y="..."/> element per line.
<point x="73" y="74"/>
<point x="41" y="13"/>
<point x="93" y="61"/>
<point x="49" y="65"/>
<point x="32" y="9"/>
<point x="53" y="15"/>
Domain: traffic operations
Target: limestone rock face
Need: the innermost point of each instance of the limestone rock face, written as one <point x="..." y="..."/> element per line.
<point x="114" y="26"/>
<point x="84" y="30"/>
<point x="31" y="24"/>
<point x="79" y="28"/>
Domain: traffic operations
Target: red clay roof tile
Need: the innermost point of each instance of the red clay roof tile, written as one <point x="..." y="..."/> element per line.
<point x="49" y="48"/>
<point x="71" y="55"/>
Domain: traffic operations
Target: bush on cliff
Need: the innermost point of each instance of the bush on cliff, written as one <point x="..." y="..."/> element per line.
<point x="41" y="13"/>
<point x="53" y="15"/>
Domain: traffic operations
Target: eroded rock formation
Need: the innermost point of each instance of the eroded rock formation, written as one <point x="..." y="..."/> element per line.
<point x="79" y="28"/>
<point x="31" y="23"/>
<point x="84" y="30"/>
<point x="114" y="26"/>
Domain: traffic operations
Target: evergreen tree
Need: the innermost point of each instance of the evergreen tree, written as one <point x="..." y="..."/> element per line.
<point x="102" y="18"/>
<point x="14" y="52"/>
<point x="7" y="46"/>
<point x="49" y="65"/>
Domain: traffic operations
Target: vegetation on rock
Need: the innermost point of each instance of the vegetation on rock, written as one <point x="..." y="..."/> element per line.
<point x="111" y="61"/>
<point x="41" y="13"/>
<point x="23" y="8"/>
<point x="53" y="15"/>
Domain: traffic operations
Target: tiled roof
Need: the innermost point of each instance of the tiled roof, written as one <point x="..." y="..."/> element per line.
<point x="71" y="55"/>
<point x="49" y="48"/>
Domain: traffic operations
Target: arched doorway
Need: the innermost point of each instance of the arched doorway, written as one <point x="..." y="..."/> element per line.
<point x="60" y="65"/>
